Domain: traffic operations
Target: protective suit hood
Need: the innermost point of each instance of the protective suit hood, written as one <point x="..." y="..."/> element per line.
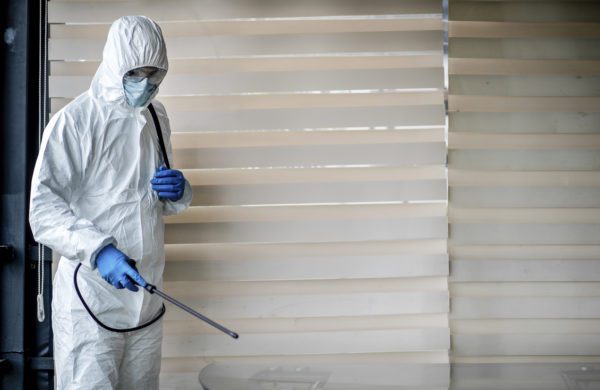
<point x="133" y="42"/>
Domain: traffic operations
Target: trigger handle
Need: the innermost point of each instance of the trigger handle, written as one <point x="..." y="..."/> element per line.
<point x="132" y="263"/>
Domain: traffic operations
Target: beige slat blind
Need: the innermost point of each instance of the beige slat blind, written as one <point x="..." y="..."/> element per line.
<point x="524" y="177"/>
<point x="313" y="135"/>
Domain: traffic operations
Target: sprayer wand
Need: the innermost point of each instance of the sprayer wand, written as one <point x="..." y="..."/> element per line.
<point x="153" y="290"/>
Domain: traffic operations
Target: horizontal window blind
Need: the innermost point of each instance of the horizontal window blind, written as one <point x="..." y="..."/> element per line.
<point x="524" y="177"/>
<point x="313" y="135"/>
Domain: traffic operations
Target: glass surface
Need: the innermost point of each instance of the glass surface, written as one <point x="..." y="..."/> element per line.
<point x="539" y="376"/>
<point x="154" y="75"/>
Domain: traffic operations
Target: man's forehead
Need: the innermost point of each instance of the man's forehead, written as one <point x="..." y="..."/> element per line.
<point x="143" y="71"/>
<point x="146" y="68"/>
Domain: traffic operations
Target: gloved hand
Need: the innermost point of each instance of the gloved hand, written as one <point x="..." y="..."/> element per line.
<point x="113" y="267"/>
<point x="168" y="183"/>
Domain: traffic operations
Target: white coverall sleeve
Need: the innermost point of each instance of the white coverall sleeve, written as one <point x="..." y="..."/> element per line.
<point x="58" y="171"/>
<point x="171" y="207"/>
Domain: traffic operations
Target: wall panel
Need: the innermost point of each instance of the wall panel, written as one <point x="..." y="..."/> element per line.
<point x="524" y="172"/>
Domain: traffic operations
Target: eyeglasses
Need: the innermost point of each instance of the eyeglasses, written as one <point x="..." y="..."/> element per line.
<point x="154" y="75"/>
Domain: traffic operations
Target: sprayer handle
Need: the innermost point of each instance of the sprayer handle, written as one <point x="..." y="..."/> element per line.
<point x="149" y="287"/>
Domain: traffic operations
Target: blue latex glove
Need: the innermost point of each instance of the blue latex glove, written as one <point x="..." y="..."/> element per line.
<point x="168" y="183"/>
<point x="113" y="267"/>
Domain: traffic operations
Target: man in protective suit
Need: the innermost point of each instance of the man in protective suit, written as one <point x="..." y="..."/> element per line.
<point x="98" y="196"/>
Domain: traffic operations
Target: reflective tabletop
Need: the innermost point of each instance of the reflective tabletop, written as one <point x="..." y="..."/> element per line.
<point x="539" y="376"/>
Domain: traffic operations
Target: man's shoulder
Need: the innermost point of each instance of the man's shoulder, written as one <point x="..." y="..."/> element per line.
<point x="75" y="107"/>
<point x="159" y="107"/>
<point x="70" y="119"/>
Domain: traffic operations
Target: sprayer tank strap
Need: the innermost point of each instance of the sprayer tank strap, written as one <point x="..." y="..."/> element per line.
<point x="160" y="135"/>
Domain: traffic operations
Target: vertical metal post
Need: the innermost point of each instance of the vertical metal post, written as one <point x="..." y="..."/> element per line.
<point x="445" y="18"/>
<point x="22" y="340"/>
<point x="13" y="157"/>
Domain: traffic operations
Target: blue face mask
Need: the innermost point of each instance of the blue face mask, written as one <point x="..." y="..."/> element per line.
<point x="138" y="92"/>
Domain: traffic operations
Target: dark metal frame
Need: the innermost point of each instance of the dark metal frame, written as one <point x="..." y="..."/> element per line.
<point x="25" y="343"/>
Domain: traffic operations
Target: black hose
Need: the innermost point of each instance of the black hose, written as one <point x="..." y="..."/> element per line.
<point x="124" y="330"/>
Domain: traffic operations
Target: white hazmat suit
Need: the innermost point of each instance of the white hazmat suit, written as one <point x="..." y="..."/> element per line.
<point x="90" y="188"/>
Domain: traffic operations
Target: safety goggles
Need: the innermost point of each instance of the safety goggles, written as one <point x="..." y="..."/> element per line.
<point x="154" y="75"/>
